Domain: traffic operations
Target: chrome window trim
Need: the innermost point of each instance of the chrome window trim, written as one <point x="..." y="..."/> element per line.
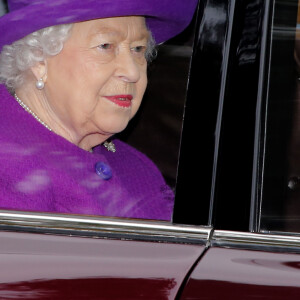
<point x="248" y="239"/>
<point x="94" y="226"/>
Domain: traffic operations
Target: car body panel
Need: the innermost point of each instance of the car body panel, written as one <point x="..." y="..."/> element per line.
<point x="244" y="274"/>
<point x="73" y="257"/>
<point x="38" y="266"/>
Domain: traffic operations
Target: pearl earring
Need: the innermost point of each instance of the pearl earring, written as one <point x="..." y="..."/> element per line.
<point x="40" y="84"/>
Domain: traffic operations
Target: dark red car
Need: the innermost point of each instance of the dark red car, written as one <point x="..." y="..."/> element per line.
<point x="234" y="76"/>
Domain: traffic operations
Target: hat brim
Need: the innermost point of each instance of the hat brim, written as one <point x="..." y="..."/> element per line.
<point x="165" y="18"/>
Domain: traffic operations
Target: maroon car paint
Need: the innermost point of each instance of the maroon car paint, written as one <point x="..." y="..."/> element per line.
<point x="37" y="266"/>
<point x="243" y="274"/>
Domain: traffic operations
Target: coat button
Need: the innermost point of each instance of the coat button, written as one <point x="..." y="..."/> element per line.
<point x="103" y="170"/>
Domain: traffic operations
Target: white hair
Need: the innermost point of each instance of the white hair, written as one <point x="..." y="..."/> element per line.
<point x="151" y="51"/>
<point x="23" y="54"/>
<point x="20" y="56"/>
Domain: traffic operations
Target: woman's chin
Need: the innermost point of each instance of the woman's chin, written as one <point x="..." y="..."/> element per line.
<point x="114" y="128"/>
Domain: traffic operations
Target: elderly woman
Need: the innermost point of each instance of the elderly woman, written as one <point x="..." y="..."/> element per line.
<point x="74" y="74"/>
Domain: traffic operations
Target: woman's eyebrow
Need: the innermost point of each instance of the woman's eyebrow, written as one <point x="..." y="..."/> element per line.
<point x="104" y="31"/>
<point x="113" y="32"/>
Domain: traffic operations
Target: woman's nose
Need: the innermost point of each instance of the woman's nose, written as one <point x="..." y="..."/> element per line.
<point x="127" y="68"/>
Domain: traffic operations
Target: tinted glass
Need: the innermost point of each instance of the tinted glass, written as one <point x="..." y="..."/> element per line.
<point x="157" y="127"/>
<point x="280" y="207"/>
<point x="155" y="131"/>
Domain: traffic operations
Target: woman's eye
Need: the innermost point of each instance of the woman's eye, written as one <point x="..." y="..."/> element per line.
<point x="139" y="49"/>
<point x="105" y="46"/>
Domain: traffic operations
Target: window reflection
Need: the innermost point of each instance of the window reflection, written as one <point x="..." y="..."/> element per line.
<point x="280" y="210"/>
<point x="292" y="207"/>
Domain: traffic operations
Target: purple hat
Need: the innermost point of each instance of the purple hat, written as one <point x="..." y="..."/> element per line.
<point x="165" y="18"/>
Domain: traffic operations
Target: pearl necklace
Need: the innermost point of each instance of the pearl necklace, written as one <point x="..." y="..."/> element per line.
<point x="31" y="112"/>
<point x="109" y="145"/>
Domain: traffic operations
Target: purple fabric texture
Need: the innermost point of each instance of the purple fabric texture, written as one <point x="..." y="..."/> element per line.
<point x="165" y="18"/>
<point x="41" y="171"/>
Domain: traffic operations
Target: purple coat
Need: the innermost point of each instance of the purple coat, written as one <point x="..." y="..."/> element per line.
<point x="41" y="171"/>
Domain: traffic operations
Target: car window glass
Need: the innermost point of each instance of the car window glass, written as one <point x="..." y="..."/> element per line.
<point x="155" y="130"/>
<point x="280" y="207"/>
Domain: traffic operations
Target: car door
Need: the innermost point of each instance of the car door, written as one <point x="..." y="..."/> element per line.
<point x="72" y="257"/>
<point x="60" y="256"/>
<point x="254" y="248"/>
<point x="234" y="233"/>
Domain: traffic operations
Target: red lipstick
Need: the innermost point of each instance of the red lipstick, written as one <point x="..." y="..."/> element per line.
<point x="121" y="100"/>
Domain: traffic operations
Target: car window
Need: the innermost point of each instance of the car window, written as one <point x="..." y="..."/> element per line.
<point x="280" y="206"/>
<point x="155" y="131"/>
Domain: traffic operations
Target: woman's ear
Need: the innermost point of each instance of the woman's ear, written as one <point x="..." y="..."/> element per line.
<point x="39" y="71"/>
